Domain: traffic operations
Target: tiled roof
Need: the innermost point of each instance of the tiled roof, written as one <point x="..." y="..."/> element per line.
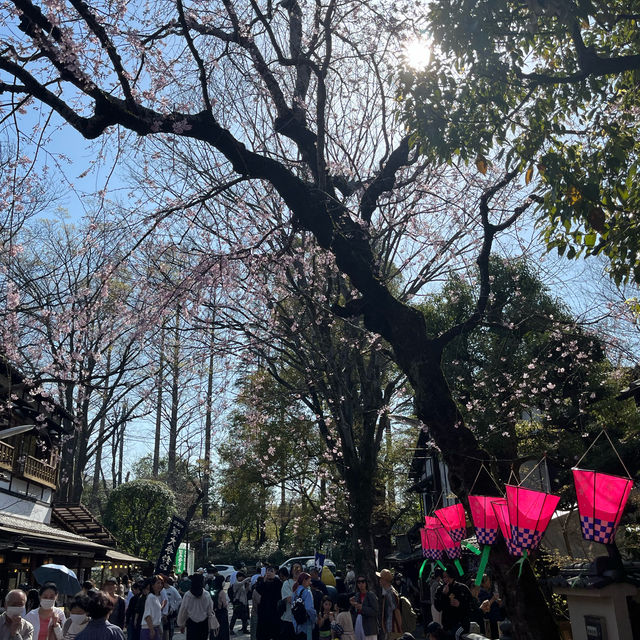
<point x="34" y="529"/>
<point x="79" y="520"/>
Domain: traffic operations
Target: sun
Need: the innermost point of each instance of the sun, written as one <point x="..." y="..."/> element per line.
<point x="417" y="53"/>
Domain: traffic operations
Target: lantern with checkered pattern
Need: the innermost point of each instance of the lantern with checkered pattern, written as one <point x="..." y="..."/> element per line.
<point x="453" y="520"/>
<point x="487" y="528"/>
<point x="601" y="501"/>
<point x="432" y="546"/>
<point x="501" y="510"/>
<point x="451" y="547"/>
<point x="484" y="518"/>
<point x="529" y="514"/>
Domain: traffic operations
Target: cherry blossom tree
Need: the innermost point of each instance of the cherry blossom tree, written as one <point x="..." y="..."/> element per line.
<point x="529" y="357"/>
<point x="285" y="104"/>
<point x="77" y="336"/>
<point x="338" y="377"/>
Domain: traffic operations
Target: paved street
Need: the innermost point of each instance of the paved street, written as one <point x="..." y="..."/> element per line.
<point x="239" y="636"/>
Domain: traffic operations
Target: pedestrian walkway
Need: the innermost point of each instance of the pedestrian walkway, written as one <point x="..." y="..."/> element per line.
<point x="238" y="636"/>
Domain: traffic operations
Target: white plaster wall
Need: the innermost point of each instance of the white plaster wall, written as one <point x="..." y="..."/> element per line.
<point x="609" y="603"/>
<point x="25" y="508"/>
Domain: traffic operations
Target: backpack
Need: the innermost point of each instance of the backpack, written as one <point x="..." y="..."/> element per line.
<point x="409" y="616"/>
<point x="298" y="608"/>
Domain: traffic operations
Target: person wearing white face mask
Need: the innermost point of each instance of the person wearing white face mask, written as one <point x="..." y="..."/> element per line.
<point x="47" y="619"/>
<point x="78" y="618"/>
<point x="12" y="624"/>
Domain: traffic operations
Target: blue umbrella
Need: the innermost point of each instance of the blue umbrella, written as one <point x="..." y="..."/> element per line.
<point x="62" y="576"/>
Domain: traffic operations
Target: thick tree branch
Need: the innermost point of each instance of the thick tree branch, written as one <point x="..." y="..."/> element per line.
<point x="385" y="180"/>
<point x="589" y="62"/>
<point x="489" y="232"/>
<point x="196" y="56"/>
<point x="88" y="16"/>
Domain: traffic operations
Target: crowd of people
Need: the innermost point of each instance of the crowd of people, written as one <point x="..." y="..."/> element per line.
<point x="271" y="604"/>
<point x="315" y="604"/>
<point x="456" y="606"/>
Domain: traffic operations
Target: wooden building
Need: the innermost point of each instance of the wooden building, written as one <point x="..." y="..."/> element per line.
<point x="33" y="529"/>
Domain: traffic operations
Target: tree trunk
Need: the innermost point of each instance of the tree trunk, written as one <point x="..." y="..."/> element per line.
<point x="360" y="495"/>
<point x="68" y="447"/>
<point x="525" y="603"/>
<point x="391" y="483"/>
<point x="121" y="452"/>
<point x="114" y="458"/>
<point x="95" y="486"/>
<point x="75" y="490"/>
<point x="206" y="479"/>
<point x="283" y="510"/>
<point x="527" y="607"/>
<point x="156" y="442"/>
<point x="172" y="452"/>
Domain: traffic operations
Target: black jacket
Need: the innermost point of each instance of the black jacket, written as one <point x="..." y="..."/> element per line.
<point x="454" y="617"/>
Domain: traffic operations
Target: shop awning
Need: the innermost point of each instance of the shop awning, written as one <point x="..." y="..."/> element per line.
<point x="36" y="537"/>
<point x="118" y="556"/>
<point x="77" y="519"/>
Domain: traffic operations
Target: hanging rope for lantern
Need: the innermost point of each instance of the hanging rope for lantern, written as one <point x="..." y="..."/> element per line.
<point x="601" y="498"/>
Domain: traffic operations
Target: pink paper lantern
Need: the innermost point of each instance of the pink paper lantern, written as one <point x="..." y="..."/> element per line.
<point x="431" y="523"/>
<point x="432" y="546"/>
<point x="501" y="510"/>
<point x="529" y="514"/>
<point x="453" y="520"/>
<point x="451" y="547"/>
<point x="423" y="540"/>
<point x="484" y="518"/>
<point x="601" y="501"/>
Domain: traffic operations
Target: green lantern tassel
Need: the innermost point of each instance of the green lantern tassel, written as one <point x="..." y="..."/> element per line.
<point x="432" y="567"/>
<point x="441" y="565"/>
<point x="424" y="564"/>
<point x="471" y="547"/>
<point x="520" y="563"/>
<point x="484" y="559"/>
<point x="458" y="567"/>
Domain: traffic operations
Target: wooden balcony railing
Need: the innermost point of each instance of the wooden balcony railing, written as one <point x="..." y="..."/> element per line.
<point x="41" y="472"/>
<point x="6" y="456"/>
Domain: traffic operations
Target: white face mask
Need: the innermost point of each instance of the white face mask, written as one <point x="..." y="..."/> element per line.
<point x="14" y="612"/>
<point x="77" y="618"/>
<point x="47" y="603"/>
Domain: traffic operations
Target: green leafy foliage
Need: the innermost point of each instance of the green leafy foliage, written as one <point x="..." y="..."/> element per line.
<point x="531" y="382"/>
<point x="138" y="514"/>
<point x="528" y="358"/>
<point x="550" y="88"/>
<point x="185" y="479"/>
<point x="272" y="445"/>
